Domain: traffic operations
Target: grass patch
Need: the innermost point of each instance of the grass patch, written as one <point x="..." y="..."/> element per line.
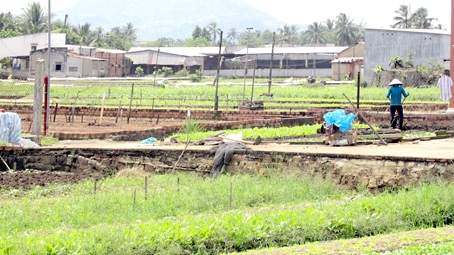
<point x="196" y="216"/>
<point x="48" y="140"/>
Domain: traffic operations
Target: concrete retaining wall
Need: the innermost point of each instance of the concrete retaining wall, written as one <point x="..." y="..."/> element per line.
<point x="374" y="172"/>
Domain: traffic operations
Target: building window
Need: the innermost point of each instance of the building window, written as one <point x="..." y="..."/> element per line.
<point x="33" y="48"/>
<point x="58" y="67"/>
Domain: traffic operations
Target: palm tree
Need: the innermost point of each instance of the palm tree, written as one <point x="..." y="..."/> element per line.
<point x="403" y="20"/>
<point x="315" y="33"/>
<point x="232" y="35"/>
<point x="329" y="23"/>
<point x="99" y="41"/>
<point x="288" y="34"/>
<point x="130" y="32"/>
<point x="419" y="19"/>
<point x="7" y="21"/>
<point x="87" y="36"/>
<point x="345" y="30"/>
<point x="214" y="30"/>
<point x="33" y="20"/>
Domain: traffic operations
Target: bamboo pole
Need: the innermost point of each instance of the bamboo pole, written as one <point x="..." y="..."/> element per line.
<point x="130" y="102"/>
<point x="102" y="107"/>
<point x="364" y="119"/>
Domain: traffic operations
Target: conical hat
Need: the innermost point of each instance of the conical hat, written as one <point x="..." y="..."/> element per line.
<point x="395" y="82"/>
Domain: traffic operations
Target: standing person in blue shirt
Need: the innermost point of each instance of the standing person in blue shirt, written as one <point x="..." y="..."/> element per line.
<point x="394" y="94"/>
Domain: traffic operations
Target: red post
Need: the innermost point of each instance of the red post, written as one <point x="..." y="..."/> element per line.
<point x="451" y="57"/>
<point x="46" y="103"/>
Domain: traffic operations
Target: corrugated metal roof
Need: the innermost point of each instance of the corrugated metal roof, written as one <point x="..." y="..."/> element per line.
<point x="183" y="51"/>
<point x="293" y="50"/>
<point x="207" y="51"/>
<point x="148" y="57"/>
<point x="426" y="31"/>
<point x="347" y="60"/>
<point x="110" y="51"/>
<point x="84" y="57"/>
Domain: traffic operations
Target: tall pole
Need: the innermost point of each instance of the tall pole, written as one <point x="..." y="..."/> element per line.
<point x="358" y="90"/>
<point x="47" y="89"/>
<point x="216" y="98"/>
<point x="156" y="67"/>
<point x="253" y="81"/>
<point x="314" y="62"/>
<point x="245" y="66"/>
<point x="451" y="59"/>
<point x="271" y="63"/>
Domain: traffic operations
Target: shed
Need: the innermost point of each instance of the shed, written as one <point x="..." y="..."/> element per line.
<point x="117" y="66"/>
<point x="66" y="63"/>
<point x="349" y="62"/>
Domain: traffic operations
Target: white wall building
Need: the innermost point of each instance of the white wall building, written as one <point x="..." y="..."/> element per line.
<point x="24" y="44"/>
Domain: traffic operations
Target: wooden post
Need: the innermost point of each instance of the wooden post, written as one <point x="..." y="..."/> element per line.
<point x="55" y="112"/>
<point x="94" y="189"/>
<point x="38" y="99"/>
<point x="216" y="79"/>
<point x="130" y="102"/>
<point x="178" y="184"/>
<point x="227" y="106"/>
<point x="102" y="107"/>
<point x="72" y="115"/>
<point x="119" y="107"/>
<point x="357" y="90"/>
<point x="121" y="117"/>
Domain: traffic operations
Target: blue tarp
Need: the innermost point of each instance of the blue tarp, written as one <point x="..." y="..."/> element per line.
<point x="339" y="119"/>
<point x="10" y="127"/>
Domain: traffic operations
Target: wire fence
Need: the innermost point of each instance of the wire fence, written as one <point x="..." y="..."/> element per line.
<point x="16" y="88"/>
<point x="408" y="78"/>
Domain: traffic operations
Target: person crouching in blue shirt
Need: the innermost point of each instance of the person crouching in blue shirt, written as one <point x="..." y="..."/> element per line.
<point x="394" y="94"/>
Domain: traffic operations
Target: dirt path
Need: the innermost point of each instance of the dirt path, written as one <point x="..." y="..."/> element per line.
<point x="432" y="149"/>
<point x="90" y="124"/>
<point x="379" y="243"/>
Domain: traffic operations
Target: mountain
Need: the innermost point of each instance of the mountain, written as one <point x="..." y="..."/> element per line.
<point x="169" y="18"/>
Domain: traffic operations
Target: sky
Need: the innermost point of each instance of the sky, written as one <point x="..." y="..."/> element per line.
<point x="378" y="14"/>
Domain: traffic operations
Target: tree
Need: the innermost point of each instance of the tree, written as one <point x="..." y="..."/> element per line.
<point x="288" y="34"/>
<point x="87" y="37"/>
<point x="8" y="33"/>
<point x="33" y="20"/>
<point x="214" y="30"/>
<point x="7" y="21"/>
<point x="345" y="30"/>
<point x="205" y="34"/>
<point x="315" y="33"/>
<point x="198" y="42"/>
<point x="130" y="32"/>
<point x="71" y="37"/>
<point x="396" y="62"/>
<point x="419" y="19"/>
<point x="329" y="24"/>
<point x="197" y="32"/>
<point x="403" y="20"/>
<point x="121" y="38"/>
<point x="232" y="36"/>
<point x="100" y="39"/>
